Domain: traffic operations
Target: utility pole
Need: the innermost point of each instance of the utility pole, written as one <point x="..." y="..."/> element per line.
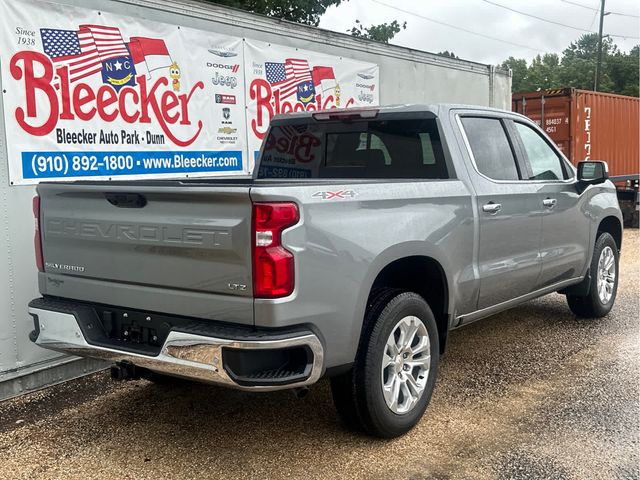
<point x="599" y="60"/>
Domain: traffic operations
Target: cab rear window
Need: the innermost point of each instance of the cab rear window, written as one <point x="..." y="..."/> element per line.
<point x="362" y="149"/>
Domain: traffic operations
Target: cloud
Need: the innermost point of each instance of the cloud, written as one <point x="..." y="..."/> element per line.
<point x="533" y="36"/>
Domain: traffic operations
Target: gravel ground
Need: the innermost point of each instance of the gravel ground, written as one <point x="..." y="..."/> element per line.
<point x="530" y="393"/>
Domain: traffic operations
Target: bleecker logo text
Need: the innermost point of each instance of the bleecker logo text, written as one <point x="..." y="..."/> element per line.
<point x="269" y="103"/>
<point x="81" y="101"/>
<point x="299" y="146"/>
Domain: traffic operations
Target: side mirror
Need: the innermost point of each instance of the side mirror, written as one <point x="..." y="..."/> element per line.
<point x="593" y="172"/>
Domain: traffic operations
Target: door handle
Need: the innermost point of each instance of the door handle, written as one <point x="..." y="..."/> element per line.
<point x="492" y="208"/>
<point x="549" y="202"/>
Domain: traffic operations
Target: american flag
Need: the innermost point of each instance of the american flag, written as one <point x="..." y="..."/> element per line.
<point x="75" y="49"/>
<point x="84" y="50"/>
<point x="108" y="41"/>
<point x="286" y="76"/>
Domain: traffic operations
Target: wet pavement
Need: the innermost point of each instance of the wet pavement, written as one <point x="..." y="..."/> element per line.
<point x="527" y="394"/>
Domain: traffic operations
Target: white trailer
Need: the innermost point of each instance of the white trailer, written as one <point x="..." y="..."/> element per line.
<point x="402" y="75"/>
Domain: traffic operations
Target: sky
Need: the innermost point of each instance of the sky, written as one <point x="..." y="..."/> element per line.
<point x="523" y="36"/>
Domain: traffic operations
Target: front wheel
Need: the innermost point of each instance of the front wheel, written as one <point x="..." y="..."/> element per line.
<point x="604" y="281"/>
<point x="389" y="387"/>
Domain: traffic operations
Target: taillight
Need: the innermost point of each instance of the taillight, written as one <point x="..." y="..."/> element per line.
<point x="273" y="265"/>
<point x="37" y="239"/>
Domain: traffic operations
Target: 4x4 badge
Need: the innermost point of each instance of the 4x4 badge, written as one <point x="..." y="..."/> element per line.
<point x="342" y="194"/>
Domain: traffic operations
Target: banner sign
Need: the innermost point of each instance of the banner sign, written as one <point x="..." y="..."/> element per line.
<point x="94" y="95"/>
<point x="283" y="79"/>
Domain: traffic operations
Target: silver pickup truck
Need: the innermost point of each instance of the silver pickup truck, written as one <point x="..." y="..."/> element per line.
<point x="362" y="239"/>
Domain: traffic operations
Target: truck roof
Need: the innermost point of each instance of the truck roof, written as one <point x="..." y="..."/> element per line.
<point x="438" y="109"/>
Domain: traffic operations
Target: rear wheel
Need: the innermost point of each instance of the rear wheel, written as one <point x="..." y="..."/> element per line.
<point x="390" y="385"/>
<point x="604" y="281"/>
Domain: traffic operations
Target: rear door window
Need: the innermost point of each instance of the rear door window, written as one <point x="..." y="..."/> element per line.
<point x="491" y="149"/>
<point x="362" y="149"/>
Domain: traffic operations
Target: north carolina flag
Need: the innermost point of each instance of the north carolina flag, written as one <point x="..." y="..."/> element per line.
<point x="149" y="54"/>
<point x="323" y="78"/>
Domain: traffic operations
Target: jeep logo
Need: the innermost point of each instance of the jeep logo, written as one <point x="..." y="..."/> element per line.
<point x="224" y="80"/>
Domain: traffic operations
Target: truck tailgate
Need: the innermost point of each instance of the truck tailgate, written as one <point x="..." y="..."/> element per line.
<point x="172" y="248"/>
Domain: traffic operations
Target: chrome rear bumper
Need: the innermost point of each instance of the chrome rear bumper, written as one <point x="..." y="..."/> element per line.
<point x="186" y="355"/>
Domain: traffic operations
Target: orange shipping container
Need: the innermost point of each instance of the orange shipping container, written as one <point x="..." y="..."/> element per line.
<point x="588" y="125"/>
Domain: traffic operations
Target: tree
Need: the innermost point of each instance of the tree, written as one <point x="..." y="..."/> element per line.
<point x="519" y="69"/>
<point x="299" y="11"/>
<point x="579" y="63"/>
<point x="586" y="47"/>
<point x="576" y="68"/>
<point x="309" y="13"/>
<point x="449" y="54"/>
<point x="381" y="33"/>
<point x="623" y="70"/>
<point x="544" y="71"/>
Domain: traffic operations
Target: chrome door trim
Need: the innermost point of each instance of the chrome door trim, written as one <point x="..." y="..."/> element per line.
<point x="488" y="311"/>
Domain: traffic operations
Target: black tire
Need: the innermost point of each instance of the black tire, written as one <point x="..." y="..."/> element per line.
<point x="358" y="394"/>
<point x="590" y="305"/>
